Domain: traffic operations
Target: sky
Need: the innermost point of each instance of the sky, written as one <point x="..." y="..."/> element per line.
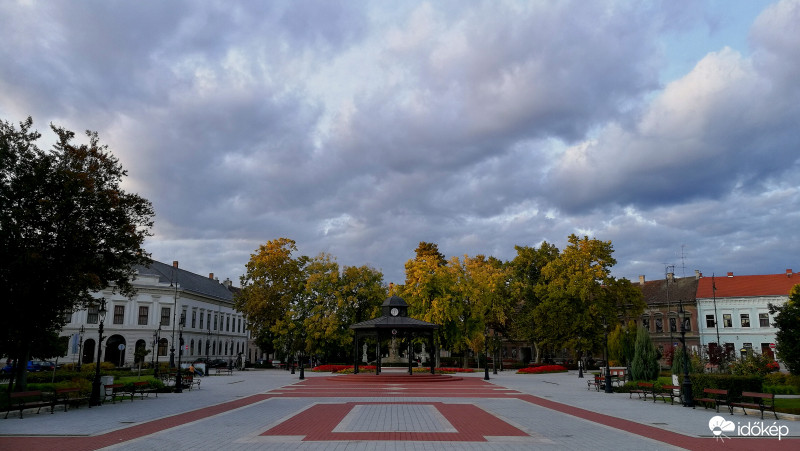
<point x="361" y="128"/>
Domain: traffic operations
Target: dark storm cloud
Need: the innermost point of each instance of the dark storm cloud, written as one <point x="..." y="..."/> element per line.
<point x="360" y="129"/>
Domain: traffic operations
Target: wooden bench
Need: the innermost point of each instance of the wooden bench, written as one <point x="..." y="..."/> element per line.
<point x="715" y="396"/>
<point x="70" y="396"/>
<point x="594" y="383"/>
<point x="668" y="391"/>
<point x="644" y="389"/>
<point x="758" y="401"/>
<point x="143" y="388"/>
<point x="190" y="381"/>
<point x="228" y="371"/>
<point x="115" y="390"/>
<point x="22" y="400"/>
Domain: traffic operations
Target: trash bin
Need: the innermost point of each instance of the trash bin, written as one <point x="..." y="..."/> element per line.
<point x="106" y="380"/>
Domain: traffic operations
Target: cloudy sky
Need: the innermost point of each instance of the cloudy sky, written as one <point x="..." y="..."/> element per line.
<point x="671" y="128"/>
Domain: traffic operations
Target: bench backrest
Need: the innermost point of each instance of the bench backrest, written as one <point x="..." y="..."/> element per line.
<point x="26" y="394"/>
<point x="115" y="385"/>
<point x="645" y="384"/>
<point x="715" y="391"/>
<point x="67" y="390"/>
<point x="758" y="395"/>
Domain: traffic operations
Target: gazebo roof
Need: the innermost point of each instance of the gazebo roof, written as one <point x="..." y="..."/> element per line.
<point x="394" y="322"/>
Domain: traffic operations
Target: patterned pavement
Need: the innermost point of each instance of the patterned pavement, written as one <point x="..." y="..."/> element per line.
<point x="272" y="409"/>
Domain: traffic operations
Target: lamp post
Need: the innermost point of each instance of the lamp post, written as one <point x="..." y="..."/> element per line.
<point x="156" y="340"/>
<point x="303" y="363"/>
<point x="688" y="401"/>
<point x="486" y="354"/>
<point x="608" y="368"/>
<point x="80" y="346"/>
<point x="174" y="314"/>
<point x="178" y="381"/>
<point x="94" y="399"/>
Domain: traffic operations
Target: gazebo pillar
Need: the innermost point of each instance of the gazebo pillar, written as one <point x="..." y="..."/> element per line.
<point x="355" y="354"/>
<point x="410" y="354"/>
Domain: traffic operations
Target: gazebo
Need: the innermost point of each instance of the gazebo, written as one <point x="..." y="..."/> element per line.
<point x="394" y="323"/>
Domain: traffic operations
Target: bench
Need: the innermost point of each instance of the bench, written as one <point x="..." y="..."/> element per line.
<point x="143" y="388"/>
<point x="758" y="401"/>
<point x="715" y="396"/>
<point x="644" y="388"/>
<point x="190" y="381"/>
<point x="114" y="390"/>
<point x="672" y="392"/>
<point x="22" y="400"/>
<point x="594" y="383"/>
<point x="70" y="396"/>
<point x="228" y="371"/>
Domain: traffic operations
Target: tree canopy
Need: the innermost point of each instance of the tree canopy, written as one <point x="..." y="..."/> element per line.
<point x="787" y="338"/>
<point x="67" y="229"/>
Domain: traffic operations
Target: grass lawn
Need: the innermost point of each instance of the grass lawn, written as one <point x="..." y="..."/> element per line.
<point x="791" y="405"/>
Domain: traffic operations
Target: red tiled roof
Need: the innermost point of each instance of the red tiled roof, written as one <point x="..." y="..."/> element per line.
<point x="736" y="286"/>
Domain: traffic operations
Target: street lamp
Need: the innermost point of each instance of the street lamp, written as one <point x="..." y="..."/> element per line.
<point x="80" y="346"/>
<point x="178" y="381"/>
<point x="485" y="354"/>
<point x="688" y="401"/>
<point x="156" y="342"/>
<point x="94" y="399"/>
<point x="580" y="359"/>
<point x="174" y="313"/>
<point x="608" y="367"/>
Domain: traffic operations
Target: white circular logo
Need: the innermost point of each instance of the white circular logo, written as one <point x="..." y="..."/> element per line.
<point x="718" y="425"/>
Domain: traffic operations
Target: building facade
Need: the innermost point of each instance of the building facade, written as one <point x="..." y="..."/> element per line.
<point x="151" y="320"/>
<point x="664" y="299"/>
<point x="734" y="313"/>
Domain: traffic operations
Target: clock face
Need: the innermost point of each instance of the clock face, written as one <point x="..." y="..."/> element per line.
<point x="394" y="311"/>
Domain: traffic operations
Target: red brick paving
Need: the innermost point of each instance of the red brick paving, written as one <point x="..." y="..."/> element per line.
<point x="322" y="387"/>
<point x="472" y="424"/>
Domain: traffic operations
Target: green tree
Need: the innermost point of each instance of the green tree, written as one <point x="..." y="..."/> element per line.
<point x="67" y="229"/>
<point x="645" y="360"/>
<point x="271" y="289"/>
<point x="787" y="338"/>
<point x="526" y="273"/>
<point x="574" y="300"/>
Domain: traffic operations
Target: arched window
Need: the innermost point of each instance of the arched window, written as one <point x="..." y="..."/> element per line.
<point x="162" y="347"/>
<point x="191" y="346"/>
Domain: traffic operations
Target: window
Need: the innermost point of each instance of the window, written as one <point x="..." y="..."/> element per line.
<point x="673" y="325"/>
<point x="191" y="347"/>
<point x="727" y="321"/>
<point x="745" y="318"/>
<point x="240" y="326"/>
<point x="208" y="322"/>
<point x="143" y="314"/>
<point x="228" y="324"/>
<point x="67" y="317"/>
<point x="215" y="321"/>
<point x="194" y="318"/>
<point x="202" y="320"/>
<point x="94" y="311"/>
<point x="659" y="325"/>
<point x="763" y="320"/>
<point x="687" y="323"/>
<point x="119" y="314"/>
<point x="646" y="323"/>
<point x="165" y="316"/>
<point x="710" y="321"/>
<point x="162" y="347"/>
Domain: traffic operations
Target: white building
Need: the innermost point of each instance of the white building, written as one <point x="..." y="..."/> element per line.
<point x="212" y="328"/>
<point x="733" y="311"/>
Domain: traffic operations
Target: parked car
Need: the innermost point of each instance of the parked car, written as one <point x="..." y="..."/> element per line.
<point x="218" y="363"/>
<point x="45" y="365"/>
<point x="33" y="366"/>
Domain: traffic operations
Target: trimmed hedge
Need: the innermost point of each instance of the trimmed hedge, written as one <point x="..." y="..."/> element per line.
<point x="734" y="384"/>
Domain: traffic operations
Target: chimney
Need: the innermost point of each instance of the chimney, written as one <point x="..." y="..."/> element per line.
<point x="211" y="275"/>
<point x="227" y="282"/>
<point x="697" y="274"/>
<point x="788" y="273"/>
<point x="641" y="280"/>
<point x="730" y="274"/>
<point x="671" y="276"/>
<point x="174" y="263"/>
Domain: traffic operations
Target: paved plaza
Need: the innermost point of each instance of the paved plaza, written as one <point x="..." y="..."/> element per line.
<point x="273" y="409"/>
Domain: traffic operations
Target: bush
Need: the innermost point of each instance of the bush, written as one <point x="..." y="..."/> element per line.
<point x="645" y="361"/>
<point x="734" y="384"/>
<point x="543" y="369"/>
<point x="754" y="365"/>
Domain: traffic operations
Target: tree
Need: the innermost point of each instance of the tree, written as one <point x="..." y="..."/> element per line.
<point x="271" y="286"/>
<point x="787" y="338"/>
<point x="573" y="299"/>
<point x="645" y="361"/>
<point x="67" y="229"/>
<point x="526" y="273"/>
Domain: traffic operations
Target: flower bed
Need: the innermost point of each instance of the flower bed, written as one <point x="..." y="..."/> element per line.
<point x="543" y="369"/>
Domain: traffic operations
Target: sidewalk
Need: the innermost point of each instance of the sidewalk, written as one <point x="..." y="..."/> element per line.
<point x="272" y="409"/>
